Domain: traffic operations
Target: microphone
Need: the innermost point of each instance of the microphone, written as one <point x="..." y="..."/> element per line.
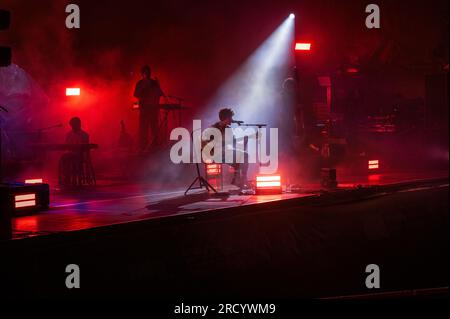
<point x="3" y="108"/>
<point x="237" y="122"/>
<point x="176" y="98"/>
<point x="50" y="127"/>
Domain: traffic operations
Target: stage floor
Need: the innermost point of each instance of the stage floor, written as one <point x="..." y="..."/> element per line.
<point x="113" y="203"/>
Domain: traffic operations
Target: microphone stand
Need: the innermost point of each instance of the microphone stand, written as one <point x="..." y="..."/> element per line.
<point x="202" y="182"/>
<point x="43" y="129"/>
<point x="258" y="134"/>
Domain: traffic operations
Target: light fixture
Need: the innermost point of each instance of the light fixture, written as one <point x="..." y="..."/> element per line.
<point x="73" y="91"/>
<point x="373" y="164"/>
<point x="213" y="169"/>
<point x="303" y="46"/>
<point x="268" y="184"/>
<point x="34" y="181"/>
<point x="25" y="200"/>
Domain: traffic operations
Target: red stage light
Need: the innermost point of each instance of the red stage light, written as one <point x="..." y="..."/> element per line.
<point x="34" y="181"/>
<point x="73" y="91"/>
<point x="213" y="169"/>
<point x="25" y="200"/>
<point x="268" y="184"/>
<point x="302" y="46"/>
<point x="374" y="164"/>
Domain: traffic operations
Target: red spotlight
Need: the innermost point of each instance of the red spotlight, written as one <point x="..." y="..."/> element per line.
<point x="373" y="164"/>
<point x="300" y="46"/>
<point x="268" y="184"/>
<point x="213" y="169"/>
<point x="73" y="91"/>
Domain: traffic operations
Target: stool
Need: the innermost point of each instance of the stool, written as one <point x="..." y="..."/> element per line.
<point x="76" y="169"/>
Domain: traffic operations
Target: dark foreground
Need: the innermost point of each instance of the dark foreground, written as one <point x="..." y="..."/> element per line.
<point x="303" y="246"/>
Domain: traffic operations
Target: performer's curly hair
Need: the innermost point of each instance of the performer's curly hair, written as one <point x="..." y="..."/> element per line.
<point x="225" y="113"/>
<point x="75" y="121"/>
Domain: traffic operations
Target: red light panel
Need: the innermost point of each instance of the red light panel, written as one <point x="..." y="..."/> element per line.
<point x="373" y="164"/>
<point x="19" y="198"/>
<point x="268" y="184"/>
<point x="73" y="91"/>
<point x="302" y="46"/>
<point x="26" y="203"/>
<point x="213" y="169"/>
<point x="25" y="200"/>
<point x="34" y="181"/>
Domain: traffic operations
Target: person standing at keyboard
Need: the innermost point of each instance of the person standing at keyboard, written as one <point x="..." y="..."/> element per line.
<point x="148" y="92"/>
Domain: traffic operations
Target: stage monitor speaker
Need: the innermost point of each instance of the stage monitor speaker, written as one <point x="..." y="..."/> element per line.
<point x="20" y="198"/>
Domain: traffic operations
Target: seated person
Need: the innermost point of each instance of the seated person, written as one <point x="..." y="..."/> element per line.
<point x="71" y="163"/>
<point x="76" y="135"/>
<point x="240" y="169"/>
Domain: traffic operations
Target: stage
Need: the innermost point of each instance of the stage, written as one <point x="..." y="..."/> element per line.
<point x="135" y="240"/>
<point x="121" y="202"/>
<point x="105" y="126"/>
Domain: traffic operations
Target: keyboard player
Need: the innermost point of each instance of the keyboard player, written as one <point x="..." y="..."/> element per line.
<point x="76" y="135"/>
<point x="71" y="166"/>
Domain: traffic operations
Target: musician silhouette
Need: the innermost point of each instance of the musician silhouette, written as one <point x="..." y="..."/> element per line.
<point x="148" y="92"/>
<point x="75" y="167"/>
<point x="76" y="135"/>
<point x="240" y="169"/>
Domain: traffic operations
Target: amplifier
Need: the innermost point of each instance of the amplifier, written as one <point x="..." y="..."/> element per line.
<point x="17" y="198"/>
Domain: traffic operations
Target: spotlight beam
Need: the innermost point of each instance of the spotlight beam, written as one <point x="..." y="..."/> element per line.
<point x="253" y="90"/>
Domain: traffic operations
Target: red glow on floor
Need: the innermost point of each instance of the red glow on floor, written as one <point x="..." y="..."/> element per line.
<point x="26" y="223"/>
<point x="352" y="70"/>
